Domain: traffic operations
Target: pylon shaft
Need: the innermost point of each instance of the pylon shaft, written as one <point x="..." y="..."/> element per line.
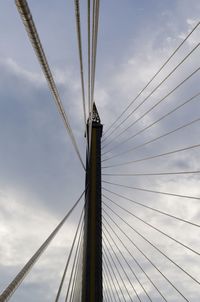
<point x="92" y="257"/>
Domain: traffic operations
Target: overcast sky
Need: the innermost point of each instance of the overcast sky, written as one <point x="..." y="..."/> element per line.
<point x="40" y="175"/>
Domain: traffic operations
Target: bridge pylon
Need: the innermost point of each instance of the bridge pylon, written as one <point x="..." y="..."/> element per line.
<point x="92" y="249"/>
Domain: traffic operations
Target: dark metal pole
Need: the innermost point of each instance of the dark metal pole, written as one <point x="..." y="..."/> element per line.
<point x="92" y="256"/>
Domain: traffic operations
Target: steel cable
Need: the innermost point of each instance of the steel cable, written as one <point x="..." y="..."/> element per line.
<point x="155" y="105"/>
<point x="159" y="70"/>
<point x="9" y="291"/>
<point x="153" y="227"/>
<point x="120" y="264"/>
<point x="153" y="157"/>
<point x="146" y="257"/>
<point x="27" y="19"/>
<point x="156" y="248"/>
<point x="155" y="122"/>
<point x="151" y="191"/>
<point x="155" y="139"/>
<point x="153" y="209"/>
<point x="78" y="28"/>
<point x="68" y="259"/>
<point x="134" y="259"/>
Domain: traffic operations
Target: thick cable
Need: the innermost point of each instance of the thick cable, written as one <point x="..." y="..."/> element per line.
<point x="153" y="209"/>
<point x="124" y="271"/>
<point x="156" y="248"/>
<point x="134" y="259"/>
<point x="153" y="227"/>
<point x="74" y="264"/>
<point x="89" y="57"/>
<point x="155" y="139"/>
<point x="159" y="70"/>
<point x="155" y="89"/>
<point x="155" y="122"/>
<point x="68" y="259"/>
<point x="109" y="262"/>
<point x="127" y="263"/>
<point x="152" y="157"/>
<point x="155" y="105"/>
<point x="27" y="19"/>
<point x="151" y="191"/>
<point x="9" y="291"/>
<point x="146" y="257"/>
<point x="153" y="174"/>
<point x="78" y="28"/>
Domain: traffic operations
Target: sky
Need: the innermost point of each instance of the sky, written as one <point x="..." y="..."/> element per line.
<point x="40" y="174"/>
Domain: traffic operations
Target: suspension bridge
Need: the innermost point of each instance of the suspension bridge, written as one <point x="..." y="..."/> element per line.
<point x="137" y="237"/>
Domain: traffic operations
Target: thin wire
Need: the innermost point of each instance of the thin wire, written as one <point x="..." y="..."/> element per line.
<point x="76" y="276"/>
<point x="15" y="283"/>
<point x="106" y="256"/>
<point x="151" y="191"/>
<point x="27" y="19"/>
<point x="155" y="139"/>
<point x="174" y="52"/>
<point x="74" y="263"/>
<point x="155" y="122"/>
<point x="149" y="260"/>
<point x="134" y="259"/>
<point x="147" y="97"/>
<point x="150" y="225"/>
<point x="153" y="157"/>
<point x="130" y="267"/>
<point x="127" y="276"/>
<point x="107" y="272"/>
<point x="107" y="287"/>
<point x="153" y="174"/>
<point x="111" y="276"/>
<point x="153" y="209"/>
<point x="69" y="258"/>
<point x="156" y="248"/>
<point x="155" y="105"/>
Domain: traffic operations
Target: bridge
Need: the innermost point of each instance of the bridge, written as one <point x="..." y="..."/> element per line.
<point x="137" y="217"/>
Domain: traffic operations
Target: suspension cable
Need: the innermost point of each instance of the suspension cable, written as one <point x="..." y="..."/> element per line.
<point x="111" y="280"/>
<point x="153" y="227"/>
<point x="110" y="268"/>
<point x="106" y="257"/>
<point x="27" y="19"/>
<point x="155" y="105"/>
<point x="9" y="291"/>
<point x="89" y="59"/>
<point x="146" y="257"/>
<point x="78" y="28"/>
<point x="153" y="209"/>
<point x="134" y="259"/>
<point x="119" y="262"/>
<point x="153" y="174"/>
<point x="107" y="292"/>
<point x="151" y="191"/>
<point x="159" y="70"/>
<point x="155" y="139"/>
<point x="156" y="121"/>
<point x="153" y="157"/>
<point x="130" y="267"/>
<point x="69" y="258"/>
<point x="74" y="263"/>
<point x="156" y="248"/>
